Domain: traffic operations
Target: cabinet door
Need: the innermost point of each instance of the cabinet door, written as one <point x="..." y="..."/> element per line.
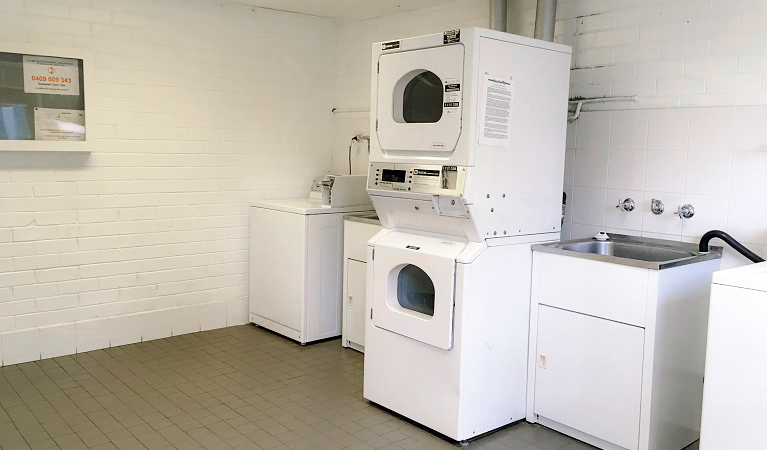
<point x="355" y="301"/>
<point x="589" y="374"/>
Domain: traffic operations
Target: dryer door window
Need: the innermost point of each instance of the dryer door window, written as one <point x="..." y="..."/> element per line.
<point x="419" y="100"/>
<point x="415" y="290"/>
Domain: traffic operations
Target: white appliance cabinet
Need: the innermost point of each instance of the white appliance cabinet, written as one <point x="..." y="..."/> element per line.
<point x="617" y="352"/>
<point x="295" y="267"/>
<point x="735" y="395"/>
<point x="358" y="229"/>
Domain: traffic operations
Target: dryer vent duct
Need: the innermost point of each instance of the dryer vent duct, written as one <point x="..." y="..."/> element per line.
<point x="545" y="19"/>
<point x="498" y="15"/>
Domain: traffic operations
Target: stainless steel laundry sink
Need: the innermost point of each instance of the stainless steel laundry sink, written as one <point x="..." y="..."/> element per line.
<point x="632" y="251"/>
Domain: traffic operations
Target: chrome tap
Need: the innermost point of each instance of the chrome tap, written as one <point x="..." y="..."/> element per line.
<point x="626" y="205"/>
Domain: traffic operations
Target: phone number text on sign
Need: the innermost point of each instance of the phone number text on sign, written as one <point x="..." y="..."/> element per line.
<point x="39" y="78"/>
<point x="51" y="79"/>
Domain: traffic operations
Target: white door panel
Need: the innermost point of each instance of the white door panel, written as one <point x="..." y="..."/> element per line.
<point x="277" y="266"/>
<point x="420" y="100"/>
<point x="414" y="287"/>
<point x="589" y="374"/>
<point x="355" y="302"/>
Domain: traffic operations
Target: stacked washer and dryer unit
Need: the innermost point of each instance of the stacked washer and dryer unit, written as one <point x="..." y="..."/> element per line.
<point x="466" y="171"/>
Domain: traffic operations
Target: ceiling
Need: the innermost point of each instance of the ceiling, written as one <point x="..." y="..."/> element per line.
<point x="342" y="9"/>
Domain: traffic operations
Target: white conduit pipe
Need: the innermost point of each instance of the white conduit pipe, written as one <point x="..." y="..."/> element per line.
<point x="579" y="103"/>
<point x="545" y="19"/>
<point x="498" y="13"/>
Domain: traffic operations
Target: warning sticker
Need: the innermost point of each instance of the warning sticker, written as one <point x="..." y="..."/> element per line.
<point x="495" y="113"/>
<point x="452" y="99"/>
<point x="451" y="37"/>
<point x="390" y="45"/>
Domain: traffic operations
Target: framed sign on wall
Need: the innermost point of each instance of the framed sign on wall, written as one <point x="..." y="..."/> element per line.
<point x="45" y="98"/>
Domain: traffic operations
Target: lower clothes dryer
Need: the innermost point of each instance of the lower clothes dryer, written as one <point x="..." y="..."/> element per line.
<point x="447" y="320"/>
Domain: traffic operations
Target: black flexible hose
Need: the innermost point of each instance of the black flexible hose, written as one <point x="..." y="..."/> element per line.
<point x="740" y="248"/>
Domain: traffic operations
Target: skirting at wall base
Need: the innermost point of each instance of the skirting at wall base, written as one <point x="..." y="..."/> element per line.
<point x="32" y="344"/>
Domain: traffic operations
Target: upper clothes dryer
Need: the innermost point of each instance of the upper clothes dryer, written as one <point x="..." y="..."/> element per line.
<point x="470" y="123"/>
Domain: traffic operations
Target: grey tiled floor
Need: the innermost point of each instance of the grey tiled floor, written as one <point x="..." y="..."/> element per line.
<point x="238" y="387"/>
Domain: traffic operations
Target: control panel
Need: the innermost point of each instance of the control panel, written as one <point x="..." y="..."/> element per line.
<point x="417" y="178"/>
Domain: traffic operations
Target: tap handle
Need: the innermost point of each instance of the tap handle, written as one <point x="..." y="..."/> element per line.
<point x="626" y="205"/>
<point x="685" y="211"/>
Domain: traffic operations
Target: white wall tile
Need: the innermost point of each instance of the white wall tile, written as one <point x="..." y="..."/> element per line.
<point x="92" y="335"/>
<point x="589" y="206"/>
<point x="156" y="324"/>
<point x="750" y="131"/>
<point x="749" y="174"/>
<point x="742" y="216"/>
<point x="593" y="130"/>
<point x="58" y="340"/>
<point x="711" y="129"/>
<point x="708" y="173"/>
<point x="125" y="330"/>
<point x="569" y="167"/>
<point x="185" y="320"/>
<point x="570" y="141"/>
<point x="626" y="170"/>
<point x="566" y="233"/>
<point x="668" y="129"/>
<point x="21" y="346"/>
<point x="568" y="190"/>
<point x="590" y="168"/>
<point x="629" y="129"/>
<point x="665" y="171"/>
<point x="212" y="316"/>
<point x="237" y="312"/>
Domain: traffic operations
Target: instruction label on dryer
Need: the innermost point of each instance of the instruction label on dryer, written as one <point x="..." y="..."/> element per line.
<point x="495" y="113"/>
<point x="452" y="97"/>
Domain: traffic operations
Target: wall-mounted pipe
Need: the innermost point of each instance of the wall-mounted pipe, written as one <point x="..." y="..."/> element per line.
<point x="498" y="15"/>
<point x="545" y="19"/>
<point x="579" y="103"/>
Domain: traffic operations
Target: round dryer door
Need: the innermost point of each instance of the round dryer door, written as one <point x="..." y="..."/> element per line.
<point x="419" y="100"/>
<point x="413" y="287"/>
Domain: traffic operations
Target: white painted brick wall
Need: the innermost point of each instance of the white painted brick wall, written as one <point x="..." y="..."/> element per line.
<point x="199" y="108"/>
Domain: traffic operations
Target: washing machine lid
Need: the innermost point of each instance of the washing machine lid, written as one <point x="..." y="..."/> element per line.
<point x="307" y="206"/>
<point x="753" y="276"/>
<point x="413" y="291"/>
<point x="419" y="100"/>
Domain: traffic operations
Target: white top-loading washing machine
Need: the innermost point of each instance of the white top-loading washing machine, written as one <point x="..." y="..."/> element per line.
<point x="735" y="391"/>
<point x="296" y="250"/>
<point x="466" y="173"/>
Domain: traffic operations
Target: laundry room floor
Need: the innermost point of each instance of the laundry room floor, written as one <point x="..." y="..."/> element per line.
<point x="238" y="387"/>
